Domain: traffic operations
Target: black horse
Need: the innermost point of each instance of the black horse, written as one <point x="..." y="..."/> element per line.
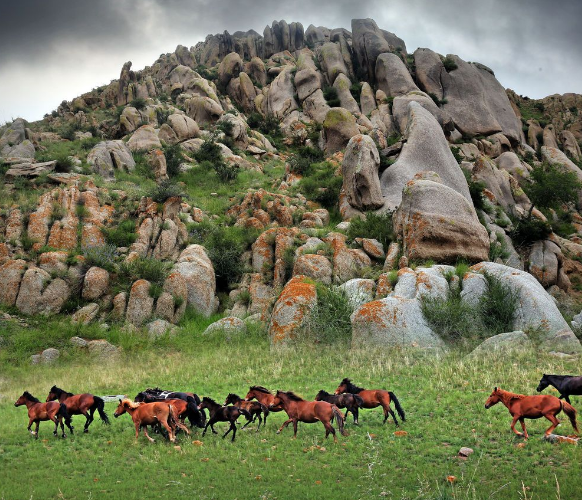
<point x="567" y="385"/>
<point x="255" y="408"/>
<point x="219" y="413"/>
<point x="195" y="416"/>
<point x="351" y="402"/>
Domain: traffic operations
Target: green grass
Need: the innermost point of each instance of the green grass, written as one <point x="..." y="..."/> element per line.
<point x="443" y="399"/>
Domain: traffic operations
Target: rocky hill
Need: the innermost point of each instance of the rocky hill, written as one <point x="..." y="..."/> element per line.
<point x="267" y="176"/>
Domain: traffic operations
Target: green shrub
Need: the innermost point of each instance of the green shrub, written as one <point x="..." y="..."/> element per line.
<point x="155" y="290"/>
<point x="162" y="115"/>
<point x="330" y="95"/>
<point x="164" y="190"/>
<point x="498" y="248"/>
<point x="145" y="268"/>
<point x="322" y="186"/>
<point x="376" y="226"/>
<point x="356" y="91"/>
<point x="527" y="230"/>
<point x="138" y="103"/>
<point x="449" y="64"/>
<point x="450" y="318"/>
<point x="122" y="235"/>
<point x="174" y="157"/>
<point x="100" y="256"/>
<point x="329" y="320"/>
<point x="64" y="163"/>
<point x="268" y="125"/>
<point x="497" y="305"/>
<point x="476" y="189"/>
<point x="300" y="162"/>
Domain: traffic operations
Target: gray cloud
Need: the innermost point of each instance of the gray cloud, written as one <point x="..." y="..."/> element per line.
<point x="52" y="50"/>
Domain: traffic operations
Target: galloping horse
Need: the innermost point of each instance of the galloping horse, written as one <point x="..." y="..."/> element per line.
<point x="299" y="410"/>
<point x="263" y="396"/>
<point x="373" y="398"/>
<point x="522" y="407"/>
<point x="351" y="402"/>
<point x="253" y="407"/>
<point x="567" y="385"/>
<point x="79" y="404"/>
<point x="144" y="414"/>
<point x="40" y="412"/>
<point x="220" y="413"/>
<point x="195" y="416"/>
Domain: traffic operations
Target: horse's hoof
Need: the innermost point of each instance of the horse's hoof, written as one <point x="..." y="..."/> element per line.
<point x="85" y="431"/>
<point x="64" y="435"/>
<point x="278" y="432"/>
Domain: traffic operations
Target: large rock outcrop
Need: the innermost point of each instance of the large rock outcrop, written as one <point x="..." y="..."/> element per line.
<point x="360" y="173"/>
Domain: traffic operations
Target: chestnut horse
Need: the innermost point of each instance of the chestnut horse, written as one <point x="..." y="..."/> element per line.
<point x="253" y="407"/>
<point x="219" y="413"/>
<point x="522" y="407"/>
<point x="351" y="402"/>
<point x="299" y="410"/>
<point x="40" y="412"/>
<point x="79" y="404"/>
<point x="567" y="385"/>
<point x="263" y="396"/>
<point x="373" y="398"/>
<point x="144" y="414"/>
<point x="196" y="417"/>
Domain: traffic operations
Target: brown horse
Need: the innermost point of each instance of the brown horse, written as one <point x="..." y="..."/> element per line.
<point x="263" y="396"/>
<point x="522" y="407"/>
<point x="144" y="414"/>
<point x="40" y="412"/>
<point x="219" y="413"/>
<point x="254" y="408"/>
<point x="80" y="404"/>
<point x="299" y="410"/>
<point x="373" y="398"/>
<point x="351" y="402"/>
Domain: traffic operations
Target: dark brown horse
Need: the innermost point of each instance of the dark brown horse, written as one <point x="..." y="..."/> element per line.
<point x="195" y="416"/>
<point x="219" y="413"/>
<point x="144" y="414"/>
<point x="567" y="385"/>
<point x="522" y="407"/>
<point x="255" y="409"/>
<point x="351" y="402"/>
<point x="299" y="410"/>
<point x="40" y="412"/>
<point x="80" y="404"/>
<point x="263" y="396"/>
<point x="373" y="398"/>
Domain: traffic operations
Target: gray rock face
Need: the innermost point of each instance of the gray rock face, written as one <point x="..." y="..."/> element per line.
<point x="400" y="110"/>
<point x="229" y="68"/>
<point x="476" y="101"/>
<point x="49" y="356"/>
<point x="307" y="81"/>
<point x="203" y="110"/>
<point x="393" y="321"/>
<point x="24" y="150"/>
<point x="332" y="61"/>
<point x="392" y="75"/>
<point x="359" y="291"/>
<point x="426" y="149"/>
<point x="229" y="326"/>
<point x="504" y="342"/>
<point x="339" y="127"/>
<point x="314" y="266"/>
<point x="280" y="99"/>
<point x="183" y="126"/>
<point x="315" y="106"/>
<point x="314" y="36"/>
<point x="281" y="36"/>
<point x="140" y="304"/>
<point x="342" y="84"/>
<point x="144" y="138"/>
<point x="29" y="170"/>
<point x="536" y="308"/>
<point x="435" y="222"/>
<point x="367" y="99"/>
<point x="39" y="294"/>
<point x="14" y="134"/>
<point x="85" y="315"/>
<point x="544" y="262"/>
<point x="360" y="174"/>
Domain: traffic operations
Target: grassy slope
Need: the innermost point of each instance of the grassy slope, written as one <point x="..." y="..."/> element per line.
<point x="443" y="400"/>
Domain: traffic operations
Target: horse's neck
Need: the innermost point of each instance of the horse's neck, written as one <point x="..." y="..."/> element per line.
<point x="506" y="397"/>
<point x="557" y="380"/>
<point x="64" y="396"/>
<point x="261" y="396"/>
<point x="29" y="404"/>
<point x="354" y="389"/>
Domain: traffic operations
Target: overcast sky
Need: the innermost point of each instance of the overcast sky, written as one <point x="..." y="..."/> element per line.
<point x="54" y="50"/>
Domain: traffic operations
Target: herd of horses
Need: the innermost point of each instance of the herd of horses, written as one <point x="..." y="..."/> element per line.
<point x="168" y="410"/>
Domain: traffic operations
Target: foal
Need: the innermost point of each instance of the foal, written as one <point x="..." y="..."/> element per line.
<point x="299" y="410"/>
<point x="253" y="407"/>
<point x="40" y="412"/>
<point x="80" y="404"/>
<point x="263" y="396"/>
<point x="220" y="413"/>
<point x="144" y="414"/>
<point x="522" y="407"/>
<point x="351" y="402"/>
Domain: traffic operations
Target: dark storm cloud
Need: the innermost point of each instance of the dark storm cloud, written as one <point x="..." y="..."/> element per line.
<point x="52" y="50"/>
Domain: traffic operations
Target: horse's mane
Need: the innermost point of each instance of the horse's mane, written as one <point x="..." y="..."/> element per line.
<point x="58" y="391"/>
<point x="561" y="377"/>
<point x="210" y="400"/>
<point x="350" y="386"/>
<point x="292" y="395"/>
<point x="260" y="388"/>
<point x="323" y="393"/>
<point x="30" y="397"/>
<point x="130" y="403"/>
<point x="512" y="395"/>
<point x="232" y="395"/>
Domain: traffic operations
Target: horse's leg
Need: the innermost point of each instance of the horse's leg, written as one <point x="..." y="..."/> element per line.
<point x="170" y="430"/>
<point x="393" y="416"/>
<point x="30" y="422"/>
<point x="285" y="424"/>
<point x="355" y="413"/>
<point x="567" y="398"/>
<point x="513" y="422"/>
<point x="555" y="422"/>
<point x="181" y="425"/>
<point x="56" y="421"/>
<point x="522" y="422"/>
<point x="329" y="428"/>
<point x="145" y="431"/>
<point x="35" y="433"/>
<point x="250" y="420"/>
<point x="88" y="420"/>
<point x="260" y="420"/>
<point x="294" y="428"/>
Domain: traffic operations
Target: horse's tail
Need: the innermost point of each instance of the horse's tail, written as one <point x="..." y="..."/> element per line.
<point x="397" y="406"/>
<point x="99" y="404"/>
<point x="571" y="412"/>
<point x="340" y="419"/>
<point x="65" y="414"/>
<point x="359" y="401"/>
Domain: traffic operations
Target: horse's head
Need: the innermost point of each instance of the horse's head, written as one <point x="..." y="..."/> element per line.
<point x="21" y="400"/>
<point x="53" y="394"/>
<point x="121" y="407"/>
<point x="207" y="403"/>
<point x="493" y="399"/>
<point x="277" y="401"/>
<point x="320" y="395"/>
<point x="141" y="397"/>
<point x="343" y="387"/>
<point x="544" y="382"/>
<point x="231" y="399"/>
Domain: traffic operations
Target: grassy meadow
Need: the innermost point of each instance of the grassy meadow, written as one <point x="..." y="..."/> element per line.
<point x="443" y="399"/>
